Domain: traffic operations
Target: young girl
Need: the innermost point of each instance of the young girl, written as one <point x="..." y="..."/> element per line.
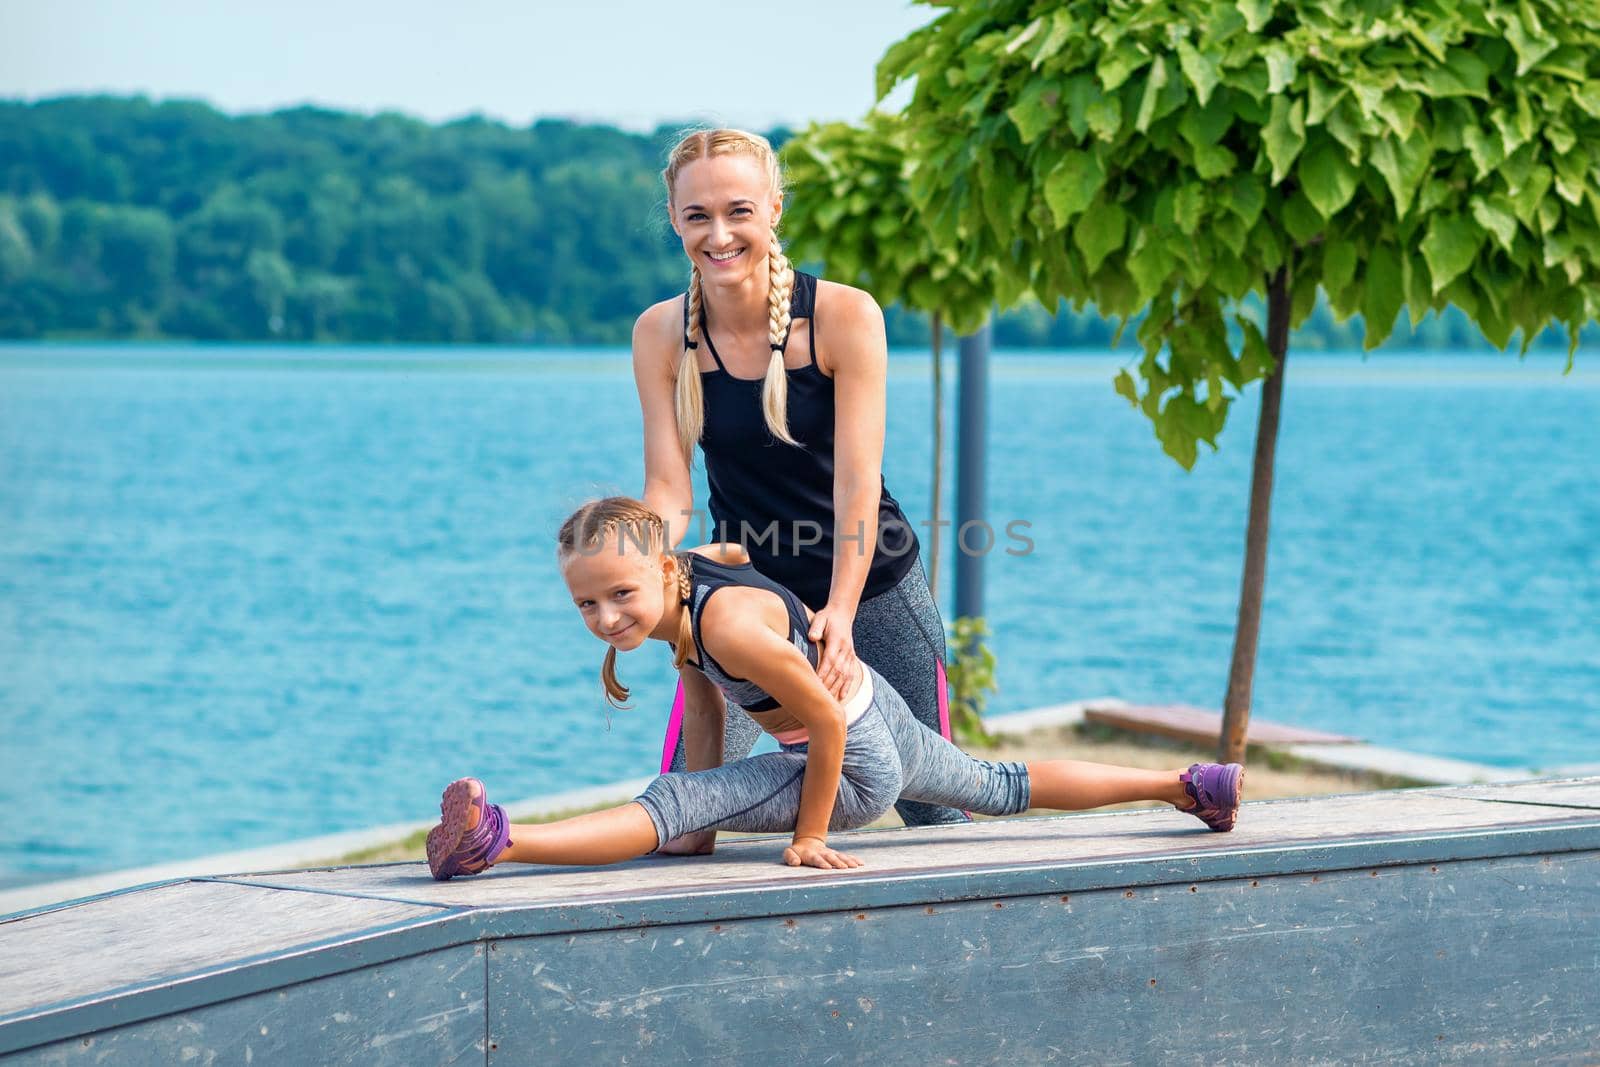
<point x="843" y="763"/>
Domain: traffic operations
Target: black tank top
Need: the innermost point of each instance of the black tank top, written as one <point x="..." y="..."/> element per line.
<point x="706" y="576"/>
<point x="777" y="499"/>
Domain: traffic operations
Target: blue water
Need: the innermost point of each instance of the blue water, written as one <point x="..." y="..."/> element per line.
<point x="248" y="595"/>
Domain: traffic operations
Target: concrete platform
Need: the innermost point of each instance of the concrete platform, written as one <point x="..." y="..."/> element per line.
<point x="1422" y="925"/>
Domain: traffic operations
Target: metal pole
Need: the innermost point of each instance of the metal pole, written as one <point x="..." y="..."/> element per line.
<point x="972" y="538"/>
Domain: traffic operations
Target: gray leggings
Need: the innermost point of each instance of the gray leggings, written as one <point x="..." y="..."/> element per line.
<point x="887" y="754"/>
<point x="900" y="635"/>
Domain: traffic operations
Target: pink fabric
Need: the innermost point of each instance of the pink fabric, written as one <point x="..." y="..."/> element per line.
<point x="674" y="728"/>
<point x="944" y="701"/>
<point x="797" y="736"/>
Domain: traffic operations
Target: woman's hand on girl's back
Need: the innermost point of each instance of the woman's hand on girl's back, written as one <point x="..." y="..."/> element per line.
<point x="834" y="629"/>
<point x="814" y="852"/>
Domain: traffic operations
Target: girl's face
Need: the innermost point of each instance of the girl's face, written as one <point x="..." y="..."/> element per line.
<point x="724" y="211"/>
<point x="620" y="590"/>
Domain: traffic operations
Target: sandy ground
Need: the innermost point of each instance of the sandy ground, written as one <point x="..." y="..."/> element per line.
<point x="1269" y="775"/>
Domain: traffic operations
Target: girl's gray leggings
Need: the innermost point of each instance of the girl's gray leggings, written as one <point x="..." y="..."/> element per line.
<point x="899" y="632"/>
<point x="888" y="754"/>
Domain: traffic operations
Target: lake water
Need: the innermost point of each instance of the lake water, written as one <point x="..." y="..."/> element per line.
<point x="254" y="594"/>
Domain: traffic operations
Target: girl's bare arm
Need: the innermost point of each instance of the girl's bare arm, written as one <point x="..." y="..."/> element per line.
<point x="746" y="630"/>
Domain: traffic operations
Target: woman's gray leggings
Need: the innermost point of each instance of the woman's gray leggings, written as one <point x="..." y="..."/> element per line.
<point x="888" y="754"/>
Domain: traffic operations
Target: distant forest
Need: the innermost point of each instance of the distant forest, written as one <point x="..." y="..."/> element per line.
<point x="124" y="218"/>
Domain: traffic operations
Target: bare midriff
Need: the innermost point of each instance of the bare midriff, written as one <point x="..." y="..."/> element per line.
<point x="788" y="730"/>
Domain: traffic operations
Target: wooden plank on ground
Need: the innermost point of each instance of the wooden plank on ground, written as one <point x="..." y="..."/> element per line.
<point x="1197" y="725"/>
<point x="168" y="931"/>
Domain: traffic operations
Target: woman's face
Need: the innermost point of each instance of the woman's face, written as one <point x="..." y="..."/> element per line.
<point x="724" y="211"/>
<point x="619" y="589"/>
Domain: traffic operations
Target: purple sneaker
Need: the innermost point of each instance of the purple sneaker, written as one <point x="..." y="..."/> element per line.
<point x="460" y="846"/>
<point x="1215" y="788"/>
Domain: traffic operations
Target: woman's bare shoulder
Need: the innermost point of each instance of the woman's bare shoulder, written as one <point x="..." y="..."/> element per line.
<point x="835" y="300"/>
<point x="850" y="330"/>
<point x="659" y="328"/>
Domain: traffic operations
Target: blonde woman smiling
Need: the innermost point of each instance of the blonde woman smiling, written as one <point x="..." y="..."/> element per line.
<point x="779" y="379"/>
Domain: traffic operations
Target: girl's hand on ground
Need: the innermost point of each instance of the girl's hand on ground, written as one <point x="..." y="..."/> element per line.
<point x="699" y="843"/>
<point x="810" y="852"/>
<point x="837" y="669"/>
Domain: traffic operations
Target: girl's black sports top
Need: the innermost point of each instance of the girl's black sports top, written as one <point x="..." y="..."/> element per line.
<point x="706" y="576"/>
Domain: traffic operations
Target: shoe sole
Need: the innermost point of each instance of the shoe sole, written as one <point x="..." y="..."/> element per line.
<point x="455" y="811"/>
<point x="1236" y="783"/>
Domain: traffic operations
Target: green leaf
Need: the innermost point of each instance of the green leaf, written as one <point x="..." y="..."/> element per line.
<point x="1300" y="218"/>
<point x="1284" y="135"/>
<point x="1496" y="215"/>
<point x="1403" y="165"/>
<point x="1213" y="161"/>
<point x="1105" y="116"/>
<point x="1338" y="264"/>
<point x="1569" y="61"/>
<point x="1189" y="207"/>
<point x="1399" y="111"/>
<point x="1080" y="92"/>
<point x="1571" y="185"/>
<point x="1205" y="125"/>
<point x="1123" y="384"/>
<point x="1177" y="440"/>
<point x="1255" y="359"/>
<point x="1324" y="96"/>
<point x="1201" y="70"/>
<point x="1118" y="64"/>
<point x="1561" y="137"/>
<point x="1072" y="185"/>
<point x="1345" y="123"/>
<point x="1450" y="246"/>
<point x="1528" y="39"/>
<point x="1246" y="197"/>
<point x="1099" y="233"/>
<point x="1327" y="176"/>
<point x="1280" y="69"/>
<point x="897" y="62"/>
<point x="1027" y="34"/>
<point x="1528" y="193"/>
<point x="1062" y="27"/>
<point x="1414" y="284"/>
<point x="1152" y="93"/>
<point x="1487" y="152"/>
<point x="1382" y="294"/>
<point x="1152" y="267"/>
<point x="1463" y="74"/>
<point x="1255" y="12"/>
<point x="1035" y="110"/>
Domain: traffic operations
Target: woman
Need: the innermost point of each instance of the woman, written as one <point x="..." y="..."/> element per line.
<point x="780" y="378"/>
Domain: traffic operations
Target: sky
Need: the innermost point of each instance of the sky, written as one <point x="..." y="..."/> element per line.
<point x="633" y="63"/>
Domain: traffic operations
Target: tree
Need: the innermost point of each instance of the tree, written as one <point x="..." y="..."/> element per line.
<point x="852" y="210"/>
<point x="1171" y="159"/>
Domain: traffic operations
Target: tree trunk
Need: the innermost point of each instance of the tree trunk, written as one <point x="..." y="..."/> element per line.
<point x="1241" y="675"/>
<point x="938" y="454"/>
